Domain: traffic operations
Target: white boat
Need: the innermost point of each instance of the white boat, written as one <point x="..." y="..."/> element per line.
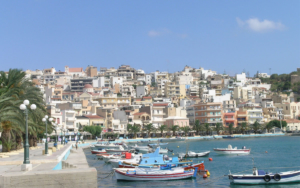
<point x="232" y="151"/>
<point x="194" y="154"/>
<point x="148" y="174"/>
<point x="106" y="146"/>
<point x="262" y="177"/>
<point x="116" y="150"/>
<point x="106" y="158"/>
<point x="134" y="159"/>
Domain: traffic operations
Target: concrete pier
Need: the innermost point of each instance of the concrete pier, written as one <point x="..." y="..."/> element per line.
<point x="66" y="167"/>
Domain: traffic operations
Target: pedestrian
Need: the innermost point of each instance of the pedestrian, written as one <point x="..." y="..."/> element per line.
<point x="96" y="138"/>
<point x="76" y="145"/>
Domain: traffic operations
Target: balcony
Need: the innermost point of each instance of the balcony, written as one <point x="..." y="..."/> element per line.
<point x="216" y="115"/>
<point x="229" y="119"/>
<point x="70" y="119"/>
<point x="256" y="117"/>
<point x="159" y="114"/>
<point x="146" y="121"/>
<point x="216" y="121"/>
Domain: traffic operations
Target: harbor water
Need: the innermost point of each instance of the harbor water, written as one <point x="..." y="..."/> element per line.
<point x="272" y="154"/>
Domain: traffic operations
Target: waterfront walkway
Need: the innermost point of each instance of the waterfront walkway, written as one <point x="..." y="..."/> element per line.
<point x="67" y="167"/>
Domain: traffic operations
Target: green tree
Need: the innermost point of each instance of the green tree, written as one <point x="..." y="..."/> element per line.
<point x="197" y="126"/>
<point x="149" y="127"/>
<point x="219" y="127"/>
<point x="135" y="129"/>
<point x="269" y="126"/>
<point x="174" y="128"/>
<point x="256" y="126"/>
<point x="162" y="128"/>
<point x="207" y="128"/>
<point x="98" y="130"/>
<point x="230" y="128"/>
<point x="185" y="129"/>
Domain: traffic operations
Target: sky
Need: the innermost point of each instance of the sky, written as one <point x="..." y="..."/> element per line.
<point x="165" y="35"/>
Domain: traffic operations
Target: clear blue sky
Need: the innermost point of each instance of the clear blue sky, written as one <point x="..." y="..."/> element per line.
<point x="153" y="35"/>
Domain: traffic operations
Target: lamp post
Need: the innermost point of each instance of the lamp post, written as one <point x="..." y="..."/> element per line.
<point x="26" y="163"/>
<point x="46" y="143"/>
<point x="64" y="136"/>
<point x="61" y="135"/>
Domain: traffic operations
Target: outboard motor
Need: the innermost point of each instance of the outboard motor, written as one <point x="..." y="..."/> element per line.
<point x="244" y="147"/>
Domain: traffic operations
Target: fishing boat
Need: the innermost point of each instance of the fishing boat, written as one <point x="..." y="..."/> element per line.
<point x="116" y="150"/>
<point x="98" y="151"/>
<point x="194" y="154"/>
<point x="148" y="174"/>
<point x="159" y="144"/>
<point x="128" y="158"/>
<point x="105" y="146"/>
<point x="262" y="177"/>
<point x="228" y="137"/>
<point x="106" y="158"/>
<point x="232" y="151"/>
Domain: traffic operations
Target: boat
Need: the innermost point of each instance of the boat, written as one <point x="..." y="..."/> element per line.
<point x="106" y="158"/>
<point x="116" y="150"/>
<point x="160" y="144"/>
<point x="228" y="137"/>
<point x="98" y="151"/>
<point x="262" y="177"/>
<point x="106" y="146"/>
<point x="128" y="158"/>
<point x="194" y="154"/>
<point x="232" y="151"/>
<point x="148" y="174"/>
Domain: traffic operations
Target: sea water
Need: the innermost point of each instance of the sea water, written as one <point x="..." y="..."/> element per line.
<point x="272" y="154"/>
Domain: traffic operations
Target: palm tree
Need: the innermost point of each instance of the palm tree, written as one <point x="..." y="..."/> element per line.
<point x="256" y="126"/>
<point x="197" y="126"/>
<point x="135" y="129"/>
<point x="185" y="129"/>
<point x="230" y="128"/>
<point x="207" y="128"/>
<point x="14" y="89"/>
<point x="219" y="127"/>
<point x="243" y="127"/>
<point x="148" y="128"/>
<point x="174" y="128"/>
<point x="269" y="126"/>
<point x="162" y="128"/>
<point x="154" y="131"/>
<point x="129" y="126"/>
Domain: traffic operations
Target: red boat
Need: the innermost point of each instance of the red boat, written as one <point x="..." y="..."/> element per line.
<point x="98" y="151"/>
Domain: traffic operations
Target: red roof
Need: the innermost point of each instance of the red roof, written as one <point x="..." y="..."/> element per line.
<point x="138" y="99"/>
<point x="147" y="97"/>
<point x="93" y="116"/>
<point x="88" y="86"/>
<point x="160" y="104"/>
<point x="75" y="70"/>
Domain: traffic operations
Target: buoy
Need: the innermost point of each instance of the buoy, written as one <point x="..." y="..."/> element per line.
<point x="172" y="153"/>
<point x="204" y="176"/>
<point x="210" y="159"/>
<point x="266" y="151"/>
<point x="178" y="146"/>
<point x="207" y="172"/>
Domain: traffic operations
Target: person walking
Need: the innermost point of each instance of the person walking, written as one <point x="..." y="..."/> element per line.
<point x="76" y="145"/>
<point x="96" y="138"/>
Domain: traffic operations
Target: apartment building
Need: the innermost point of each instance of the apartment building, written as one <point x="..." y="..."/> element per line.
<point x="230" y="118"/>
<point x="78" y="84"/>
<point x="173" y="89"/>
<point x="255" y="114"/>
<point x="114" y="101"/>
<point x="229" y="105"/>
<point x="91" y="71"/>
<point x="210" y="112"/>
<point x="158" y="114"/>
<point x="242" y="117"/>
<point x="68" y="120"/>
<point x="290" y="110"/>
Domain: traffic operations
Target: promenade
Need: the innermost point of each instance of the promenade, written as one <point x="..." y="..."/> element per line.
<point x="65" y="167"/>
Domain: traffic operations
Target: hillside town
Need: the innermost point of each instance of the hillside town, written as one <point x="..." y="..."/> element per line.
<point x="115" y="98"/>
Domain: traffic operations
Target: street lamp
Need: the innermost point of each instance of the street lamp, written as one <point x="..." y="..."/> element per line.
<point x="26" y="163"/>
<point x="46" y="143"/>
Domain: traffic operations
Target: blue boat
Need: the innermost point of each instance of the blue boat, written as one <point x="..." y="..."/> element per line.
<point x="228" y="137"/>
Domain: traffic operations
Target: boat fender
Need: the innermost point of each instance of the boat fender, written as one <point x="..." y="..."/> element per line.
<point x="207" y="172"/>
<point x="204" y="176"/>
<point x="277" y="177"/>
<point x="267" y="178"/>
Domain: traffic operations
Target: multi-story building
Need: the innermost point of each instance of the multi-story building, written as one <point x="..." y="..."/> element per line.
<point x="158" y="114"/>
<point x="91" y="71"/>
<point x="229" y="105"/>
<point x="79" y="83"/>
<point x="210" y="112"/>
<point x="114" y="101"/>
<point x="255" y="114"/>
<point x="289" y="110"/>
<point x="127" y="71"/>
<point x="230" y="118"/>
<point x="68" y="120"/>
<point x="75" y="72"/>
<point x="242" y="117"/>
<point x="172" y="89"/>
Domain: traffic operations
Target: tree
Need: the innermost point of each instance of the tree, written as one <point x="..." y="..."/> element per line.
<point x="207" y="128"/>
<point x="243" y="127"/>
<point x="162" y="128"/>
<point x="269" y="126"/>
<point x="256" y="126"/>
<point x="185" y="129"/>
<point x="219" y="127"/>
<point x="98" y="130"/>
<point x="174" y="128"/>
<point x="276" y="123"/>
<point x="230" y="128"/>
<point x="135" y="129"/>
<point x="14" y="89"/>
<point x="197" y="126"/>
<point x="149" y="127"/>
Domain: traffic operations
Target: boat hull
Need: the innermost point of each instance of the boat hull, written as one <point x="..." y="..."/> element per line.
<point x="232" y="152"/>
<point x="293" y="177"/>
<point x="98" y="152"/>
<point x="151" y="177"/>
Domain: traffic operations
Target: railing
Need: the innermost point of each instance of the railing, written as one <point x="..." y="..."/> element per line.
<point x="230" y="119"/>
